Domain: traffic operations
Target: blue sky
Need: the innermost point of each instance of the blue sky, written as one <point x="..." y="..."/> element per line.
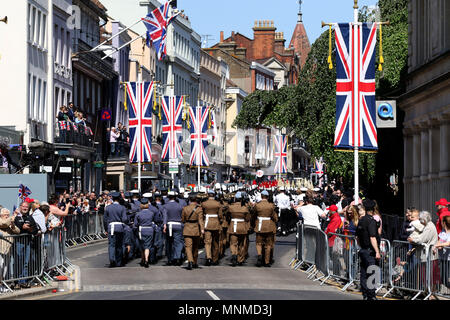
<point x="209" y="17"/>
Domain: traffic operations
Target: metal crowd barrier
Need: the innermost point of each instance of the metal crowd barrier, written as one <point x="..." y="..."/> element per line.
<point x="403" y="266"/>
<point x="343" y="258"/>
<point x="444" y="272"/>
<point x="82" y="228"/>
<point x="21" y="259"/>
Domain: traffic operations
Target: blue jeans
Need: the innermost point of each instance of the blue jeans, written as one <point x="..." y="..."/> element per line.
<point x="22" y="260"/>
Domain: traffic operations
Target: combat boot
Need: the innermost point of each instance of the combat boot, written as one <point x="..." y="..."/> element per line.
<point x="189" y="266"/>
<point x="233" y="260"/>
<point x="208" y="262"/>
<point x="259" y="261"/>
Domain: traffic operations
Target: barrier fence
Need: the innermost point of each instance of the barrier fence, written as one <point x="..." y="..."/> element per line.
<point x="26" y="258"/>
<point x="404" y="268"/>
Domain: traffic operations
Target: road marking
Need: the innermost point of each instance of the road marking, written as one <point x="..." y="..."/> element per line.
<point x="212" y="295"/>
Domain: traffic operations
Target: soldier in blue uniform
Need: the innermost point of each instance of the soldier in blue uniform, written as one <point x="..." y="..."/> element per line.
<point x="159" y="220"/>
<point x="145" y="226"/>
<point x="173" y="228"/>
<point x="114" y="218"/>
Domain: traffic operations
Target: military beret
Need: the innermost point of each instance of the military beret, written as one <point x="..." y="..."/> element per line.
<point x="115" y="194"/>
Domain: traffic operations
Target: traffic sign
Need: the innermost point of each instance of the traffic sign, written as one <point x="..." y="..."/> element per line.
<point x="173" y="165"/>
<point x="259" y="173"/>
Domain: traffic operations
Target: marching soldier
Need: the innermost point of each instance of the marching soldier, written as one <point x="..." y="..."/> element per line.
<point x="224" y="236"/>
<point x="283" y="203"/>
<point x="265" y="228"/>
<point x="192" y="217"/>
<point x="238" y="230"/>
<point x="144" y="223"/>
<point x="173" y="228"/>
<point x="159" y="234"/>
<point x="114" y="218"/>
<point x="212" y="212"/>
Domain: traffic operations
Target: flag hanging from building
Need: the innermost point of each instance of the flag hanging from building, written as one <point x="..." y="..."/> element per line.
<point x="199" y="136"/>
<point x="171" y="127"/>
<point x="156" y="23"/>
<point x="213" y="124"/>
<point x="355" y="87"/>
<point x="24" y="192"/>
<point x="140" y="102"/>
<point x="280" y="143"/>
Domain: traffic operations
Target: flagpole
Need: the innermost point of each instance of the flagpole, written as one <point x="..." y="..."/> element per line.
<point x="116" y="35"/>
<point x="140" y="133"/>
<point x="199" y="160"/>
<point x="123" y="46"/>
<point x="356" y="152"/>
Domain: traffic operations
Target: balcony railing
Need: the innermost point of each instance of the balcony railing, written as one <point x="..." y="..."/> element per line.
<point x="68" y="132"/>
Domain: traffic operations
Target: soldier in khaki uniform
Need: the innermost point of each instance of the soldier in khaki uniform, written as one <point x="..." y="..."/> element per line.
<point x="192" y="217"/>
<point x="213" y="216"/>
<point x="265" y="228"/>
<point x="238" y="230"/>
<point x="224" y="235"/>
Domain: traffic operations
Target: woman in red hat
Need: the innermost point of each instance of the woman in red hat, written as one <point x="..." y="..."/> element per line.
<point x="442" y="212"/>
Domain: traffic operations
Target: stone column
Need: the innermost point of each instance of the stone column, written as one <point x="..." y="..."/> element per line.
<point x="434" y="161"/>
<point x="424" y="166"/>
<point x="444" y="173"/>
<point x="416" y="163"/>
<point x="408" y="166"/>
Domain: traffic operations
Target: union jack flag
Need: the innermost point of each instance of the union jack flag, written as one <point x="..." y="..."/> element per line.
<point x="156" y="23"/>
<point x="140" y="98"/>
<point x="199" y="136"/>
<point x="88" y="131"/>
<point x="355" y="88"/>
<point x="24" y="192"/>
<point x="171" y="127"/>
<point x="280" y="154"/>
<point x="62" y="125"/>
<point x="75" y="127"/>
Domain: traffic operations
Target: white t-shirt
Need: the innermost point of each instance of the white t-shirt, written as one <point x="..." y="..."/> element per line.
<point x="311" y="214"/>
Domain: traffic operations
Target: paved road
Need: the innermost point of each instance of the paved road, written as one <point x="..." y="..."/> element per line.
<point x="159" y="282"/>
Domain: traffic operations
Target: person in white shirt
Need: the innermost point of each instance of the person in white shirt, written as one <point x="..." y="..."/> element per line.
<point x="310" y="213"/>
<point x="38" y="215"/>
<point x="283" y="203"/>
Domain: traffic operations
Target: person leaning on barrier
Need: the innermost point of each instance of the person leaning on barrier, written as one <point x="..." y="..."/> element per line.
<point x="194" y="228"/>
<point x="443" y="246"/>
<point x="25" y="248"/>
<point x="369" y="242"/>
<point x="7" y="228"/>
<point x="310" y="212"/>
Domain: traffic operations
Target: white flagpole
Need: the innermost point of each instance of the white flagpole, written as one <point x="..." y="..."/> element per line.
<point x="139" y="126"/>
<point x="199" y="159"/>
<point x="116" y="35"/>
<point x="355" y="102"/>
<point x="123" y="46"/>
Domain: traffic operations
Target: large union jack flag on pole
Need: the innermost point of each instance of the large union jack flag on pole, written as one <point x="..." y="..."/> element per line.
<point x="156" y="23"/>
<point x="171" y="127"/>
<point x="199" y="136"/>
<point x="355" y="88"/>
<point x="280" y="144"/>
<point x="140" y="98"/>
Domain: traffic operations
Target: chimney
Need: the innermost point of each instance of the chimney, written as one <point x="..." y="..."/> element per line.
<point x="221" y="36"/>
<point x="264" y="39"/>
<point x="232" y="35"/>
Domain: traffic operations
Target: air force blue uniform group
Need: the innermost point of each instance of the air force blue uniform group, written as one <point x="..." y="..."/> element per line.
<point x="146" y="229"/>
